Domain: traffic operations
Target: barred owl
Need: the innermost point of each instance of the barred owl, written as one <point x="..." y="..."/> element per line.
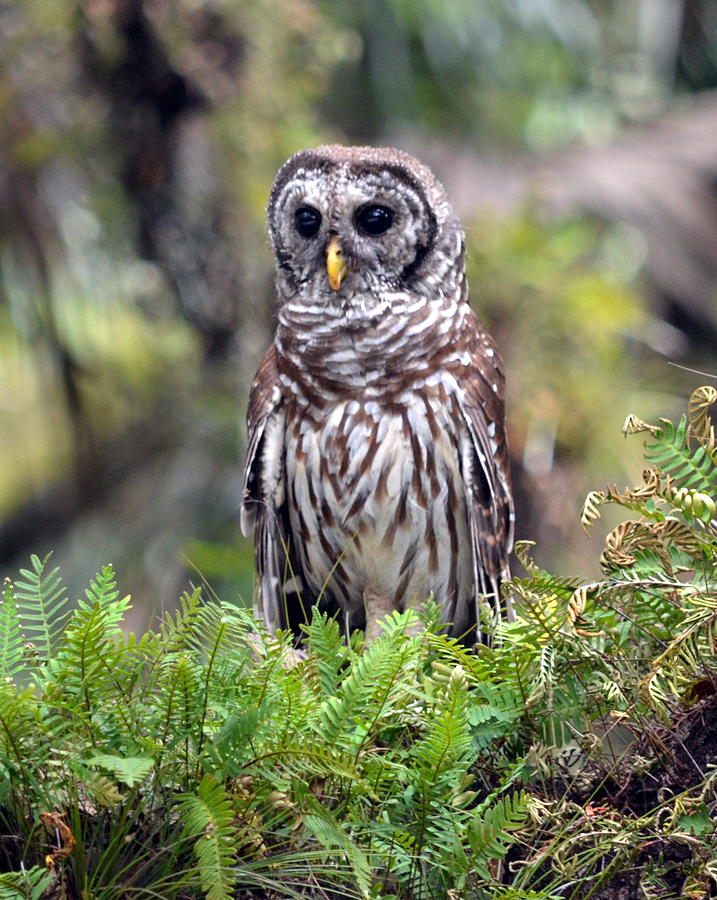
<point x="376" y="469"/>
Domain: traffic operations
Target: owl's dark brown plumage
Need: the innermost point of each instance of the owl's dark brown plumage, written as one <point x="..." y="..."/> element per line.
<point x="376" y="470"/>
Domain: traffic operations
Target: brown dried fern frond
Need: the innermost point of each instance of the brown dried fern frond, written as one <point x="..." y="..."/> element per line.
<point x="631" y="537"/>
<point x="701" y="428"/>
<point x="635" y="425"/>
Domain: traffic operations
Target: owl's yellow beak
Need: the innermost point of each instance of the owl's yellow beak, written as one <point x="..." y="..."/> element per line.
<point x="336" y="265"/>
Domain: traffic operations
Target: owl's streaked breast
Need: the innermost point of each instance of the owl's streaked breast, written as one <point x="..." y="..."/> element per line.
<point x="370" y="503"/>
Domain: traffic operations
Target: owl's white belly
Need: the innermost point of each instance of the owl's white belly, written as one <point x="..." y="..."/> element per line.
<point x="381" y="500"/>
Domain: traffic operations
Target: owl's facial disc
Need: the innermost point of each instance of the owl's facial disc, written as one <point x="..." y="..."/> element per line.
<point x="350" y="232"/>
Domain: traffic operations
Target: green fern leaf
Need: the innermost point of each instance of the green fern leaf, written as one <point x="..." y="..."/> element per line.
<point x="42" y="600"/>
<point x="498" y="714"/>
<point x="29" y="884"/>
<point x="327" y="650"/>
<point x="670" y="450"/>
<point x="490" y="831"/>
<point x="21" y="751"/>
<point x="365" y="695"/>
<point x="176" y="630"/>
<point x="130" y="770"/>
<point x="11" y="641"/>
<point x="331" y="835"/>
<point x="445" y="751"/>
<point x="180" y="700"/>
<point x="208" y="816"/>
<point x="88" y="663"/>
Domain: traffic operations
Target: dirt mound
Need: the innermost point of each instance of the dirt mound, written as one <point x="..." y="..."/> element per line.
<point x="665" y="762"/>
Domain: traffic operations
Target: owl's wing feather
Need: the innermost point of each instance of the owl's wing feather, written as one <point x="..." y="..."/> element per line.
<point x="489" y="498"/>
<point x="262" y="508"/>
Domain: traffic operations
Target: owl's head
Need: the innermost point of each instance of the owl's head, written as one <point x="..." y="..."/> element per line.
<point x="354" y="223"/>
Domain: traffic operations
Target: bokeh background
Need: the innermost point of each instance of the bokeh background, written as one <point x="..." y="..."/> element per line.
<point x="138" y="142"/>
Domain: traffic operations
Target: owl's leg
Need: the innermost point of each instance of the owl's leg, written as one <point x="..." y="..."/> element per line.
<point x="290" y="656"/>
<point x="377" y="606"/>
<point x="415" y="604"/>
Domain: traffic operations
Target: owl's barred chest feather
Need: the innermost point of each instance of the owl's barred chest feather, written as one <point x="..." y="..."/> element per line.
<point x="374" y="496"/>
<point x="374" y="447"/>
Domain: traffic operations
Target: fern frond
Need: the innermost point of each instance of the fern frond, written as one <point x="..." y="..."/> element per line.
<point x="677" y="534"/>
<point x="223" y="640"/>
<point x="219" y="631"/>
<point x="687" y="468"/>
<point x="590" y="512"/>
<point x="100" y="790"/>
<point x="522" y="553"/>
<point x="437" y="769"/>
<point x="497" y="716"/>
<point x="11" y="642"/>
<point x="440" y="756"/>
<point x="175" y="630"/>
<point x="635" y="425"/>
<point x="42" y="601"/>
<point x="28" y="884"/>
<point x="327" y="650"/>
<point x="88" y="664"/>
<point x="700" y="428"/>
<point x="544" y="584"/>
<point x="331" y="835"/>
<point x="25" y="748"/>
<point x="632" y="538"/>
<point x="129" y="770"/>
<point x="345" y="720"/>
<point x="541" y="614"/>
<point x="490" y="832"/>
<point x="180" y="701"/>
<point x="639" y="499"/>
<point x="689" y="655"/>
<point x="208" y="816"/>
<point x="103" y="592"/>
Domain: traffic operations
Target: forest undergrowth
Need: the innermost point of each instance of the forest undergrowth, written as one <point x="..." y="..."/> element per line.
<point x="575" y="758"/>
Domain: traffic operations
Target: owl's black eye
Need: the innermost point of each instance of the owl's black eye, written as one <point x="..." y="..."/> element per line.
<point x="375" y="220"/>
<point x="307" y="220"/>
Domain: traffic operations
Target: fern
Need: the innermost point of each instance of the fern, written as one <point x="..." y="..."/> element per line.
<point x="492" y="828"/>
<point x="42" y="601"/>
<point x="180" y="699"/>
<point x="408" y="768"/>
<point x="327" y="650"/>
<point x="437" y="767"/>
<point x="208" y="817"/>
<point x="444" y="752"/>
<point x="700" y="428"/>
<point x="177" y="629"/>
<point x="86" y="657"/>
<point x="28" y="884"/>
<point x="346" y="720"/>
<point x="687" y="467"/>
<point x="11" y="641"/>
<point x="128" y="770"/>
<point x="689" y="655"/>
<point x="330" y="834"/>
<point x="496" y="716"/>
<point x="22" y="755"/>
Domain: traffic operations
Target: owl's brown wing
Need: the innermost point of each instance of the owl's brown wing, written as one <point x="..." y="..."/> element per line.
<point x="263" y="508"/>
<point x="485" y="470"/>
